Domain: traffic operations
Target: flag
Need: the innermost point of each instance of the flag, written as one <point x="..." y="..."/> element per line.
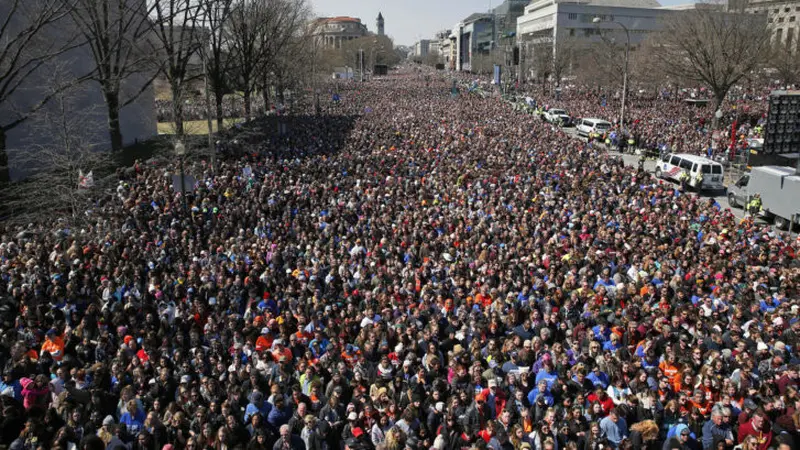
<point x="85" y="181"/>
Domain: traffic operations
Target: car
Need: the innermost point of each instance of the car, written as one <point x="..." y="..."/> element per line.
<point x="558" y="116"/>
<point x="586" y="126"/>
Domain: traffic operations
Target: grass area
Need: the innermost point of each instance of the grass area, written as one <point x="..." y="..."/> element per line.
<point x="196" y="126"/>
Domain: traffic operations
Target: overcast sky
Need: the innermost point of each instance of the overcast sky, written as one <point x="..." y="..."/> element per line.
<point x="407" y="21"/>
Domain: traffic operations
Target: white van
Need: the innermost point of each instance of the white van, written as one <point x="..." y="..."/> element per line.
<point x="586" y="126"/>
<point x="672" y="164"/>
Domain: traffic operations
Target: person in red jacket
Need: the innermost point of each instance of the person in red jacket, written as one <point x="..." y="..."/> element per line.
<point x="601" y="396"/>
<point x="759" y="427"/>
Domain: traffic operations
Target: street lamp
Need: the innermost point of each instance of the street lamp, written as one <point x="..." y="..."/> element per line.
<point x="625" y="73"/>
<point x="180" y="151"/>
<point x="361" y="62"/>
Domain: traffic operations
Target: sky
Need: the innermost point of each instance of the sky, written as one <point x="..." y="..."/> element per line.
<point x="408" y="21"/>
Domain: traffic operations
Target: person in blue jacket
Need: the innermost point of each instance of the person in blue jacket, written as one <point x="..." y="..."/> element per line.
<point x="540" y="390"/>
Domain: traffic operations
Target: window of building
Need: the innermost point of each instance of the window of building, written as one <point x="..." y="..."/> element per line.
<point x="775" y="10"/>
<point x="572" y="31"/>
<point x="586" y="18"/>
<point x="789" y="38"/>
<point x="780" y="19"/>
<point x="791" y="19"/>
<point x="573" y="16"/>
<point x="787" y="9"/>
<point x="769" y="20"/>
<point x="611" y="18"/>
<point x="779" y="35"/>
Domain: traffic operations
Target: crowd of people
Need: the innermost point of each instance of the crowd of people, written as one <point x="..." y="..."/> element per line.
<point x="195" y="108"/>
<point x="674" y="120"/>
<point x="412" y="270"/>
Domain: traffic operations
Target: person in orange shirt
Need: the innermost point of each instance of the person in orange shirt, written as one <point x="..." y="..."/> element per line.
<point x="54" y="345"/>
<point x="670" y="369"/>
<point x="279" y="350"/>
<point x="264" y="341"/>
<point x="302" y="335"/>
<point x="700" y="402"/>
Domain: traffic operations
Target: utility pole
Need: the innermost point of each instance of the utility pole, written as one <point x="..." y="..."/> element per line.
<point x="361" y="59"/>
<point x="211" y="148"/>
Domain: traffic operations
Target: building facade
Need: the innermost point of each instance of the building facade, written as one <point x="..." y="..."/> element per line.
<point x="783" y="17"/>
<point x="331" y="32"/>
<point x="477" y="37"/>
<point x="550" y="20"/>
<point x="421" y="48"/>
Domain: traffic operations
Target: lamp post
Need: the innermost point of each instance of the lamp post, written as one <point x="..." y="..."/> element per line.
<point x="180" y="151"/>
<point x="361" y="62"/>
<point x="625" y="73"/>
<point x="211" y="148"/>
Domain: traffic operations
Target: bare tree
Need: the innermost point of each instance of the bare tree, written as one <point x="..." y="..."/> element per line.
<point x="52" y="183"/>
<point x="715" y="48"/>
<point x="564" y="55"/>
<point x="115" y="31"/>
<point x="246" y="30"/>
<point x="178" y="37"/>
<point x="286" y="42"/>
<point x="32" y="33"/>
<point x="214" y="16"/>
<point x="786" y="62"/>
<point x="541" y="63"/>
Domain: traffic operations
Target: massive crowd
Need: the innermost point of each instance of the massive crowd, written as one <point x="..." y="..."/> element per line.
<point x="672" y="120"/>
<point x="414" y="270"/>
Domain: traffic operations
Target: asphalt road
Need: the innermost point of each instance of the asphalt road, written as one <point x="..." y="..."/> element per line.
<point x="650" y="166"/>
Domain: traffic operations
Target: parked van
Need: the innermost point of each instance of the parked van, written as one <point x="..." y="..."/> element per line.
<point x="672" y="164"/>
<point x="586" y="126"/>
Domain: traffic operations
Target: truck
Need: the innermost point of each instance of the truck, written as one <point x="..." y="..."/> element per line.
<point x="779" y="188"/>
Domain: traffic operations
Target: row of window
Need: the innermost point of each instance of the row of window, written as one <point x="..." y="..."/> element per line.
<point x="777" y="10"/>
<point x="586" y="18"/>
<point x="780" y="19"/>
<point x="596" y="31"/>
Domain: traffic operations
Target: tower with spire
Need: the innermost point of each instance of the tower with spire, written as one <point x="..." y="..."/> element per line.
<point x="380" y="24"/>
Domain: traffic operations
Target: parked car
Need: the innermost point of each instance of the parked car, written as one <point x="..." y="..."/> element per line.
<point x="586" y="126"/>
<point x="558" y="116"/>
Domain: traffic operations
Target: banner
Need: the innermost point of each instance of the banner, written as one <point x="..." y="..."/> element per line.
<point x="497" y="74"/>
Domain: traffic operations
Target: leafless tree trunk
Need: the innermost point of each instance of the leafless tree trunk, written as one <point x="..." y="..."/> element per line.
<point x="32" y="33"/>
<point x="712" y="47"/>
<point x="563" y="57"/>
<point x="214" y="16"/>
<point x="288" y="45"/>
<point x="245" y="29"/>
<point x="115" y="31"/>
<point x="178" y="38"/>
<point x="260" y="32"/>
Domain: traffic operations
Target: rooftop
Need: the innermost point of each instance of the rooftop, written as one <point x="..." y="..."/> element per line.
<point x="625" y="3"/>
<point x="476" y="17"/>
<point x="338" y="19"/>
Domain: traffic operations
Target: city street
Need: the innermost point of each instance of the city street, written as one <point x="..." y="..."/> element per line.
<point x="650" y="166"/>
